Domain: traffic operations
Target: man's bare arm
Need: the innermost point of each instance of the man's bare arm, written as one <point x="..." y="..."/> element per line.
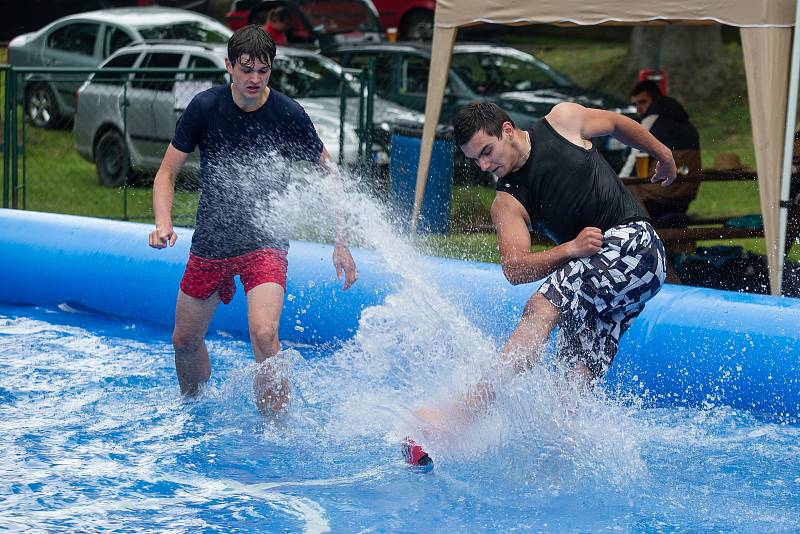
<point x="522" y="266"/>
<point x="163" y="195"/>
<point x="342" y="259"/>
<point x="579" y="124"/>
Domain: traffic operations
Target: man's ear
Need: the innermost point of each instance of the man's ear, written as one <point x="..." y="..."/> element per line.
<point x="508" y="129"/>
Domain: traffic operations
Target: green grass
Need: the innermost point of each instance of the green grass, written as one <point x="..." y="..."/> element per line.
<point x="471" y="247"/>
<point x="593" y="65"/>
<point x="58" y="180"/>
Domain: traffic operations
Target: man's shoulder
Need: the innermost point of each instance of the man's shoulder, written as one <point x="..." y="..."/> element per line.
<point x="564" y="119"/>
<point x="505" y="202"/>
<point x="286" y="103"/>
<point x="565" y="112"/>
<point x="206" y="100"/>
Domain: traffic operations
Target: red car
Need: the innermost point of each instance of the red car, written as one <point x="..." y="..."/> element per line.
<point x="322" y="23"/>
<point x="412" y="18"/>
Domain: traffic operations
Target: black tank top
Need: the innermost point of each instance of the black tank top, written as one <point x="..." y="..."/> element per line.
<point x="566" y="188"/>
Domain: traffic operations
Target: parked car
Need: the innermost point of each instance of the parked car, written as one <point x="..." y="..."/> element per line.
<point x="321" y="23"/>
<point x="85" y="40"/>
<point x="29" y="15"/>
<point x="526" y="87"/>
<point x="125" y="121"/>
<point x="412" y="18"/>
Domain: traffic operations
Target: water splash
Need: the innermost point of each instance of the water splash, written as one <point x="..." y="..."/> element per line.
<point x="419" y="347"/>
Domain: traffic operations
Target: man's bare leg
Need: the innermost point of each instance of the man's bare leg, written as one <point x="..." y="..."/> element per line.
<point x="524" y="348"/>
<point x="192" y="364"/>
<point x="264" y="306"/>
<point x="520" y="353"/>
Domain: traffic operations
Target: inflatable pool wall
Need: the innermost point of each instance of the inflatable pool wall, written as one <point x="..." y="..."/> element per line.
<point x="690" y="346"/>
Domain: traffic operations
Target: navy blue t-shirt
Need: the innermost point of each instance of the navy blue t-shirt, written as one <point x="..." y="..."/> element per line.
<point x="244" y="158"/>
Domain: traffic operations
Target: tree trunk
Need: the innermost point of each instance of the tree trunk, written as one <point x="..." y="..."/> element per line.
<point x="692" y="56"/>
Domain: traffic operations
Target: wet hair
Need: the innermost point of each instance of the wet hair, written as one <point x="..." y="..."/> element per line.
<point x="647" y="86"/>
<point x="478" y="116"/>
<point x="255" y="42"/>
<point x="279" y="14"/>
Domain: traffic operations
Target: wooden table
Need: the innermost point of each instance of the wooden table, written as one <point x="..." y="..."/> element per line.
<point x="708" y="175"/>
<point x="698" y="229"/>
<point x="703" y="228"/>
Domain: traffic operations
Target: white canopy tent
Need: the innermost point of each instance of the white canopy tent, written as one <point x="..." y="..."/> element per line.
<point x="766" y="30"/>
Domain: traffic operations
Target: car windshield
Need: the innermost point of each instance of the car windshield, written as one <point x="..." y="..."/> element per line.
<point x="339" y="16"/>
<point x="492" y="73"/>
<point x="187" y="30"/>
<point x="309" y="77"/>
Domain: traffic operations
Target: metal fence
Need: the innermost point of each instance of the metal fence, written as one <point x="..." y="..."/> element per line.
<point x="95" y="151"/>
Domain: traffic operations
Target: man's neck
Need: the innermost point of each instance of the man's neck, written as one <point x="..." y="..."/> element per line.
<point x="523" y="144"/>
<point x="247" y="104"/>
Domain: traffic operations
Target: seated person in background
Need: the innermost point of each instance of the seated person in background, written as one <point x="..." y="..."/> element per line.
<point x="793" y="217"/>
<point x="668" y="121"/>
<point x="278" y="22"/>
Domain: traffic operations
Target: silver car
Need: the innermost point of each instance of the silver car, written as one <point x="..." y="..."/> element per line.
<point x="85" y="40"/>
<point x="125" y="121"/>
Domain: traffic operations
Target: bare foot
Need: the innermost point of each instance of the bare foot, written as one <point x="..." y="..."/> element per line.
<point x="271" y="396"/>
<point x="432" y="416"/>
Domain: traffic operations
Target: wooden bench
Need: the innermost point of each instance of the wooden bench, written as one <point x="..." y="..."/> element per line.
<point x="685" y="239"/>
<point x="703" y="228"/>
<point x="698" y="228"/>
<point x="675" y="239"/>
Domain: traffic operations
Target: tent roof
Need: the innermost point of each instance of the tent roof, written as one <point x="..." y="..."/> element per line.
<point x="753" y="13"/>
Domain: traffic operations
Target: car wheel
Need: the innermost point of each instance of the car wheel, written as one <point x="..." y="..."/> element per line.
<point x="111" y="159"/>
<point x="41" y="106"/>
<point x="418" y="26"/>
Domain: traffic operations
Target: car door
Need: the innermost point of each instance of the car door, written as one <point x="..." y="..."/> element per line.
<point x="168" y="110"/>
<point x="113" y="39"/>
<point x="75" y="45"/>
<point x="385" y="70"/>
<point x="150" y="133"/>
<point x="412" y="86"/>
<point x="101" y="103"/>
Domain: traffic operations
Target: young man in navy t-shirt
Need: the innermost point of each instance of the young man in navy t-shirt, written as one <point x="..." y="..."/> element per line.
<point x="247" y="133"/>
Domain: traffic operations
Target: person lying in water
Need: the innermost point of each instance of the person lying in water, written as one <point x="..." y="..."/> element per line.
<point x="608" y="260"/>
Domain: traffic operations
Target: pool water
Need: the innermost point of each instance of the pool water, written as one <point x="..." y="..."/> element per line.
<point x="95" y="437"/>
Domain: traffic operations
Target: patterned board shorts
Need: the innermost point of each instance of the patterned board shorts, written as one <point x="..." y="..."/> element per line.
<point x="600" y="296"/>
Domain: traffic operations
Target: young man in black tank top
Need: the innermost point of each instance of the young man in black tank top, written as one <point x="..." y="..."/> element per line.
<point x="608" y="260"/>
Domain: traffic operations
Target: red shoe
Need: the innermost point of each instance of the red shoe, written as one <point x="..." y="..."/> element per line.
<point x="415" y="455"/>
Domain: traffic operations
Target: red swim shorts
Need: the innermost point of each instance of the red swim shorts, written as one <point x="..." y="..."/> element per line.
<point x="204" y="276"/>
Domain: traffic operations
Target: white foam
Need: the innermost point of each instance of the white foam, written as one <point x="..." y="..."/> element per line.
<point x="418" y="347"/>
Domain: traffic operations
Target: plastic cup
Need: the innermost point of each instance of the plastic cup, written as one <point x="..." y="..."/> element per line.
<point x="642" y="165"/>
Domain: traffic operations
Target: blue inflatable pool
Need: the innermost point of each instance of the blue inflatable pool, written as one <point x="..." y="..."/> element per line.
<point x="690" y="345"/>
<point x="688" y="435"/>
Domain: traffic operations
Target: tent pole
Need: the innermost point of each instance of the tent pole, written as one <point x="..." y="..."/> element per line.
<point x="441" y="52"/>
<point x="788" y="146"/>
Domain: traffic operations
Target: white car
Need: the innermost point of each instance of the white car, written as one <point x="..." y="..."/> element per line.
<point x="125" y="119"/>
<point x="85" y="40"/>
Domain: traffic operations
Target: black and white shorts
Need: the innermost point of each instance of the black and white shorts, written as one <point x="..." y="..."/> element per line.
<point x="599" y="296"/>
